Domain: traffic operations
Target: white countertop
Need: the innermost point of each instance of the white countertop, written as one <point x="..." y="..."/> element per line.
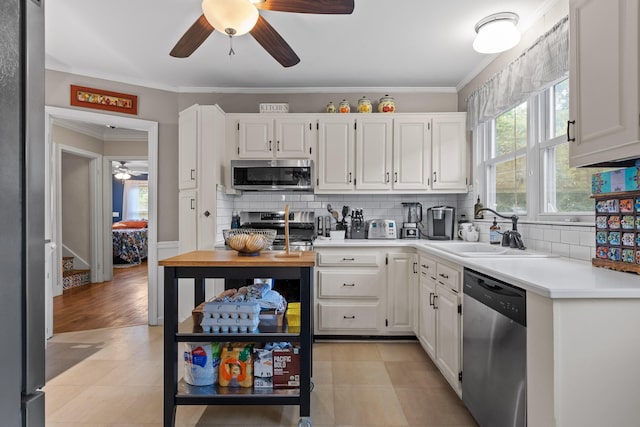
<point x="553" y="277"/>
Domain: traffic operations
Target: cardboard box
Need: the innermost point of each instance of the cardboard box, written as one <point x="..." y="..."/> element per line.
<point x="286" y="368"/>
<point x="262" y="368"/>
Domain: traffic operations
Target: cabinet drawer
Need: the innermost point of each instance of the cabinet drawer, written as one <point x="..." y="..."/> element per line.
<point x="427" y="268"/>
<point x="449" y="277"/>
<point x="341" y="316"/>
<point x="345" y="284"/>
<point x="343" y="258"/>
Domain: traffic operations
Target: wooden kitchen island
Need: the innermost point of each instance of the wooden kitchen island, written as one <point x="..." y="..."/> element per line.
<point x="223" y="264"/>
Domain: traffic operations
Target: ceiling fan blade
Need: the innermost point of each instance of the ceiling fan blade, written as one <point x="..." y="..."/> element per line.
<point x="273" y="43"/>
<point x="329" y="7"/>
<point x="193" y="38"/>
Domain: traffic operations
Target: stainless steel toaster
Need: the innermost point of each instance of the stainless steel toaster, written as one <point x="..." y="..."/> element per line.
<point x="382" y="229"/>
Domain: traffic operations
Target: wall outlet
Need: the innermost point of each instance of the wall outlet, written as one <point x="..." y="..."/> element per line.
<point x="115" y="214"/>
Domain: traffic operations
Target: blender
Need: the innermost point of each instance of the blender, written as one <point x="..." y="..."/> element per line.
<point x="412" y="214"/>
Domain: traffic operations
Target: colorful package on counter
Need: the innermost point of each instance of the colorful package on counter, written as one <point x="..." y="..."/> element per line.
<point x="236" y="365"/>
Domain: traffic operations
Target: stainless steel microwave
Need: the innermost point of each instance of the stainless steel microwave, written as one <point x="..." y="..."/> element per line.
<point x="272" y="175"/>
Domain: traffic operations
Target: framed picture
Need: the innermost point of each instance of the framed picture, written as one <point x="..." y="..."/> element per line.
<point x="103" y="100"/>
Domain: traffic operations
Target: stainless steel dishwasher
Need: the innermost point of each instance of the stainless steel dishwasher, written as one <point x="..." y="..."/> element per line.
<point x="494" y="361"/>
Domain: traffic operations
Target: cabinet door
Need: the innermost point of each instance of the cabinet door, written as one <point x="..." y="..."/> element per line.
<point x="448" y="336"/>
<point x="427" y="315"/>
<point x="188" y="219"/>
<point x="373" y="153"/>
<point x="255" y="138"/>
<point x="336" y="153"/>
<point x="411" y="150"/>
<point x="603" y="78"/>
<point x="401" y="276"/>
<point x="187" y="148"/>
<point x="449" y="163"/>
<point x="293" y="138"/>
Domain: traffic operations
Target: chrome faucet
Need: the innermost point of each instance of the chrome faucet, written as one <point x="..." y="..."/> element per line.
<point x="510" y="238"/>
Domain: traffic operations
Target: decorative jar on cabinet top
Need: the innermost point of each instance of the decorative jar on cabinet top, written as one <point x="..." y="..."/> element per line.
<point x="386" y="104"/>
<point x="330" y="108"/>
<point x="364" y="105"/>
<point x="344" y="106"/>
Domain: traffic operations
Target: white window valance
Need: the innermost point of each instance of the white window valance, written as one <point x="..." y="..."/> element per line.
<point x="543" y="63"/>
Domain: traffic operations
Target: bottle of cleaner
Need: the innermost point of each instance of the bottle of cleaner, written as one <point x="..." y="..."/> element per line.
<point x="476" y="207"/>
<point x="494" y="233"/>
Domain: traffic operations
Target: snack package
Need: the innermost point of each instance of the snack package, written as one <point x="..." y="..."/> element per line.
<point x="262" y="368"/>
<point x="201" y="362"/>
<point x="236" y="365"/>
<point x="286" y="368"/>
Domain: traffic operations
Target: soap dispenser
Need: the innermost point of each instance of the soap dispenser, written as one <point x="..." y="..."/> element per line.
<point x="494" y="233"/>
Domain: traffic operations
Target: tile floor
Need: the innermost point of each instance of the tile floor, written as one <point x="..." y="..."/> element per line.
<point x="356" y="384"/>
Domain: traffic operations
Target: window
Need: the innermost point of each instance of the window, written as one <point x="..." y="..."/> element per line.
<point x="565" y="190"/>
<point x="135" y="200"/>
<point x="533" y="178"/>
<point x="507" y="165"/>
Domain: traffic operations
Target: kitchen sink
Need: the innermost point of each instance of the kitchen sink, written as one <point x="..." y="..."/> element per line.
<point x="485" y="250"/>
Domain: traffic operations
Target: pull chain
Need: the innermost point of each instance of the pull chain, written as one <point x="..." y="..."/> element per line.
<point x="231" y="51"/>
<point x="231" y="32"/>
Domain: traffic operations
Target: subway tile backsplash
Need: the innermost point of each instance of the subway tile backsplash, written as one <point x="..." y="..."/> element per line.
<point x="575" y="240"/>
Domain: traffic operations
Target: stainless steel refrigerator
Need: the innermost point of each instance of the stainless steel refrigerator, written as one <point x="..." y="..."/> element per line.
<point x="22" y="213"/>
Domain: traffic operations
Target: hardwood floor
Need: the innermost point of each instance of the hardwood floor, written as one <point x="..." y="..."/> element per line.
<point x="120" y="302"/>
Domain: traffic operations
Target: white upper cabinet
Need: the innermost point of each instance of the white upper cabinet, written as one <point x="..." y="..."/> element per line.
<point x="449" y="154"/>
<point x="603" y="78"/>
<point x="336" y="161"/>
<point x="267" y="137"/>
<point x="411" y="149"/>
<point x="187" y="154"/>
<point x="414" y="153"/>
<point x="374" y="138"/>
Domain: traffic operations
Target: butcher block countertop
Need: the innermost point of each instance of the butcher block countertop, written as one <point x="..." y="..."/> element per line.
<point x="224" y="258"/>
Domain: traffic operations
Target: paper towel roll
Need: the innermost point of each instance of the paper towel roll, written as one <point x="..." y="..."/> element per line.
<point x="201" y="362"/>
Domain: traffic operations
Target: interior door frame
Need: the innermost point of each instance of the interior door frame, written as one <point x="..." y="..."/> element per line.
<point x="107" y="192"/>
<point x="151" y="127"/>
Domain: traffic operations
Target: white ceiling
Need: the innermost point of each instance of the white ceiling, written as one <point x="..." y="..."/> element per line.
<point x="383" y="44"/>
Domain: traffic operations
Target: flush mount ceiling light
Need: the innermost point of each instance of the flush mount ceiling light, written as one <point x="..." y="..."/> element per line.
<point x="231" y="17"/>
<point x="497" y="33"/>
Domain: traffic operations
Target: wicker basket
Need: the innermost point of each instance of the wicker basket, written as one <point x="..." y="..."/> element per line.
<point x="268" y="236"/>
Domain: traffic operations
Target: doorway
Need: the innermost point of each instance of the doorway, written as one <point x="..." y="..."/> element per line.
<point x="103" y="219"/>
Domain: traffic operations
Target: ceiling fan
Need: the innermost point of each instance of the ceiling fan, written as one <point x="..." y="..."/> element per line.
<point x="121" y="171"/>
<point x="237" y="17"/>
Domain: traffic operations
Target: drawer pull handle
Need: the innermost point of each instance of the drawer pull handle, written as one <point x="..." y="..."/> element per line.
<point x="424" y="266"/>
<point x="431" y="295"/>
<point x="454" y="290"/>
<point x="348" y="284"/>
<point x="348" y="259"/>
<point x="444" y="276"/>
<point x="415" y="268"/>
<point x="349" y="317"/>
<point x="435" y="307"/>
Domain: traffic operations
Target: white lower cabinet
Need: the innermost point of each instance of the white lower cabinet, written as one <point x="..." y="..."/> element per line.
<point x="365" y="291"/>
<point x="441" y="317"/>
<point x="402" y="279"/>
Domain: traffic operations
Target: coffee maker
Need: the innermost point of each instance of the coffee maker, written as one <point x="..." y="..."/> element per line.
<point x="412" y="220"/>
<point x="440" y="223"/>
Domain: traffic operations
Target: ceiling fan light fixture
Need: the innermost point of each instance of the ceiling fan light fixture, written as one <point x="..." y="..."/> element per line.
<point x="497" y="33"/>
<point x="122" y="175"/>
<point x="230" y="17"/>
